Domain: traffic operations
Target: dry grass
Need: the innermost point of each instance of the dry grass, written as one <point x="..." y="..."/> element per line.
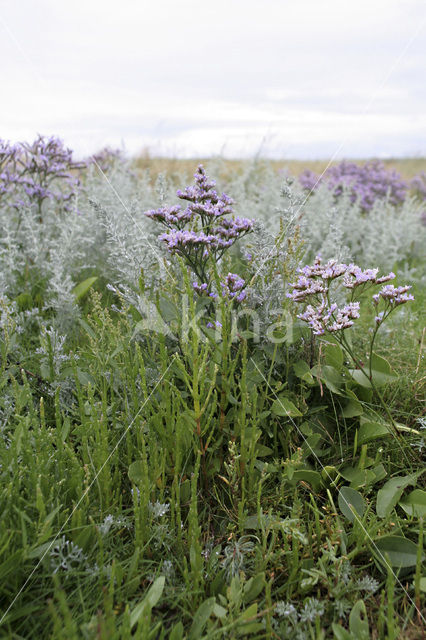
<point x="407" y="167"/>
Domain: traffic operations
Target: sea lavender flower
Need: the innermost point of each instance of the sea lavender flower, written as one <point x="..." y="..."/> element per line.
<point x="314" y="285"/>
<point x="394" y="295"/>
<point x="418" y="185"/>
<point x="365" y="183"/>
<point x="106" y="158"/>
<point x="233" y="287"/>
<point x="33" y="173"/>
<point x="201" y="232"/>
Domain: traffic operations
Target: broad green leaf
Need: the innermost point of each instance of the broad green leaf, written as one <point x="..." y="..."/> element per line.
<point x="333" y="356"/>
<point x="372" y="431"/>
<point x="303" y="371"/>
<point x="358" y="621"/>
<point x="423" y="584"/>
<point x="83" y="287"/>
<point x="330" y="376"/>
<point x="351" y="501"/>
<point x="136" y="472"/>
<point x="282" y="406"/>
<point x="168" y="310"/>
<point x="390" y="493"/>
<point x="399" y="551"/>
<point x="360" y="378"/>
<point x="307" y="475"/>
<point x="253" y="587"/>
<point x="261" y="450"/>
<point x="201" y="616"/>
<point x="219" y="612"/>
<point x="340" y="633"/>
<point x="415" y="503"/>
<point x="380" y="472"/>
<point x="358" y="477"/>
<point x="381" y="372"/>
<point x="381" y="365"/>
<point x="352" y="409"/>
<point x="250" y="612"/>
<point x="150" y="600"/>
<point x="177" y="632"/>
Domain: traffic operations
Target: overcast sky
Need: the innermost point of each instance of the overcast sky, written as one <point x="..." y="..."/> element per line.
<point x="288" y="78"/>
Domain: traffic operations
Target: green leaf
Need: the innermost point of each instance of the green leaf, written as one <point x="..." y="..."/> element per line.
<point x="219" y="612"/>
<point x="82" y="288"/>
<point x="381" y="372"/>
<point x="261" y="450"/>
<point x="369" y="431"/>
<point x="340" y="633"/>
<point x="381" y="365"/>
<point x="351" y="501"/>
<point x="330" y="376"/>
<point x="358" y="621"/>
<point x="360" y="378"/>
<point x="250" y="612"/>
<point x="400" y="551"/>
<point x="415" y="503"/>
<point x="358" y="477"/>
<point x="253" y="587"/>
<point x="303" y="371"/>
<point x="333" y="356"/>
<point x="352" y="409"/>
<point x="201" y="616"/>
<point x="177" y="632"/>
<point x="282" y="406"/>
<point x="136" y="472"/>
<point x="168" y="310"/>
<point x="307" y="475"/>
<point x="390" y="493"/>
<point x="150" y="600"/>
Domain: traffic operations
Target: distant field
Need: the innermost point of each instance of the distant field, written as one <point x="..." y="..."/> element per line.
<point x="407" y="167"/>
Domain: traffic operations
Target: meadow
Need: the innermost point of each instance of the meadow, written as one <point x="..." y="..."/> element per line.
<point x="211" y="397"/>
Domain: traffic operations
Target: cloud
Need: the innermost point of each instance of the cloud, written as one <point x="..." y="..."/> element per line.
<point x="197" y="76"/>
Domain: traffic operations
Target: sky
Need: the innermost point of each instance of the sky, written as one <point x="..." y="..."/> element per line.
<point x="284" y="79"/>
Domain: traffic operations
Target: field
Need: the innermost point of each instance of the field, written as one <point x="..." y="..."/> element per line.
<point x="211" y="406"/>
<point x="407" y="167"/>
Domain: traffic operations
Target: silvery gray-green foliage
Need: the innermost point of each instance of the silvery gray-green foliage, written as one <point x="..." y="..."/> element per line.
<point x="125" y="241"/>
<point x="386" y="235"/>
<point x="256" y="190"/>
<point x="335" y="228"/>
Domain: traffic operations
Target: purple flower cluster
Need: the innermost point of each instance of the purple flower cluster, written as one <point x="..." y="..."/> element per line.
<point x="106" y="158"/>
<point x="314" y="284"/>
<point x="233" y="287"/>
<point x="330" y="318"/>
<point x="418" y="185"/>
<point x="33" y="173"/>
<point x="203" y="290"/>
<point x="366" y="183"/>
<point x="200" y="231"/>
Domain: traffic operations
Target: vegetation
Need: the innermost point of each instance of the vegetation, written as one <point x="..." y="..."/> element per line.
<point x="208" y="432"/>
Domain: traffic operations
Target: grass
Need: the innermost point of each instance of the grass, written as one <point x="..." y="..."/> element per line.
<point x="407" y="167"/>
<point x="205" y="486"/>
